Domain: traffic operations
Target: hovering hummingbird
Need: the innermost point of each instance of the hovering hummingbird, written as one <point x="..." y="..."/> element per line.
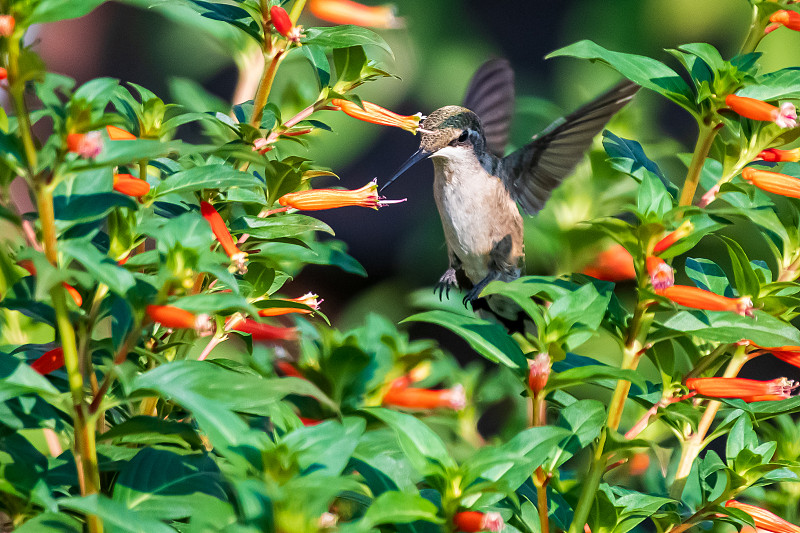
<point x="477" y="189"/>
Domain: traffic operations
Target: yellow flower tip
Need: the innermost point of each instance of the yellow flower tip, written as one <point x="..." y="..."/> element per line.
<point x="349" y="12"/>
<point x="376" y="114"/>
<point x="684" y="230"/>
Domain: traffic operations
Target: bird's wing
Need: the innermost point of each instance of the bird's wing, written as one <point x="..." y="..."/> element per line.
<point x="535" y="170"/>
<point x="490" y="95"/>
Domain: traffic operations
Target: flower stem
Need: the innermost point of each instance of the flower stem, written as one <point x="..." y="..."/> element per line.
<point x="754" y="33"/>
<point x="540" y="479"/>
<point x="705" y="138"/>
<point x="297" y="9"/>
<point x="637" y="333"/>
<point x="692" y="447"/>
<point x="265" y="86"/>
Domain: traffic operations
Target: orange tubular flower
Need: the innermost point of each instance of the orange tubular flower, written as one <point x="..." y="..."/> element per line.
<point x="347" y="12"/>
<point x="749" y="390"/>
<point x="3" y="74"/>
<point x="27" y="264"/>
<point x="177" y="318"/>
<point x="280" y="20"/>
<point x="764" y="519"/>
<point x="614" y="264"/>
<point x="773" y="182"/>
<point x="661" y="274"/>
<point x="317" y="199"/>
<point x="697" y="298"/>
<point x="130" y="185"/>
<point x="118" y="134"/>
<point x="475" y="521"/>
<point x="287" y="369"/>
<point x="683" y="230"/>
<point x="238" y="257"/>
<point x="412" y="398"/>
<point x="86" y="145"/>
<point x="49" y="361"/>
<point x="309" y="299"/>
<point x="539" y="371"/>
<point x="7" y="24"/>
<point x="784" y="17"/>
<point x="265" y="332"/>
<point x="774" y="155"/>
<point x="785" y="116"/>
<point x="377" y="115"/>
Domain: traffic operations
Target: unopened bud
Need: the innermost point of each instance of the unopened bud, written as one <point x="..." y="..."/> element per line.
<point x="539" y="372"/>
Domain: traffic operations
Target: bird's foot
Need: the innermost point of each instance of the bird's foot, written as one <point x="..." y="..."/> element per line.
<point x="475" y="291"/>
<point x="447" y="280"/>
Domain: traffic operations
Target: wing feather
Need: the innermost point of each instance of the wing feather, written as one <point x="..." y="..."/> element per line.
<point x="490" y="95"/>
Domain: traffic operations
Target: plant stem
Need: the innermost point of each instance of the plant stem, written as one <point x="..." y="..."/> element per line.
<point x="637" y="333"/>
<point x="143" y="169"/>
<point x="754" y="33"/>
<point x="691" y="447"/>
<point x="540" y="479"/>
<point x="294" y="14"/>
<point x="265" y="86"/>
<point x="705" y="137"/>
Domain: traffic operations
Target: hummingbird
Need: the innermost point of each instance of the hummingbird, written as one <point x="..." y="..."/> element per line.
<point x="478" y="190"/>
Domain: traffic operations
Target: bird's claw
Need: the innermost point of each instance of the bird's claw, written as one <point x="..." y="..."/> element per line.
<point x="472" y="295"/>
<point x="447" y="280"/>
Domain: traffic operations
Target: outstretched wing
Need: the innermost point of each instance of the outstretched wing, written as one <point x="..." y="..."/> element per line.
<point x="535" y="170"/>
<point x="490" y="95"/>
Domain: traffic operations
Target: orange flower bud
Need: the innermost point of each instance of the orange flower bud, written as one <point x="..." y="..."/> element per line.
<point x="27" y="264"/>
<point x="378" y="115"/>
<point x="86" y="145"/>
<point x="789" y="19"/>
<point x="773" y="182"/>
<point x="7" y="24"/>
<point x="316" y="199"/>
<point x="475" y="521"/>
<point x="749" y="390"/>
<point x="265" y="332"/>
<point x="697" y="298"/>
<point x="220" y="230"/>
<point x="50" y="361"/>
<point x="785" y="116"/>
<point x="118" y="134"/>
<point x="280" y="20"/>
<point x="309" y="299"/>
<point x="308" y="422"/>
<point x="287" y="369"/>
<point x="348" y="12"/>
<point x="130" y="185"/>
<point x="764" y="519"/>
<point x="613" y="264"/>
<point x="661" y="274"/>
<point x="685" y="229"/>
<point x="177" y="318"/>
<point x="412" y="398"/>
<point x="3" y="74"/>
<point x="539" y="371"/>
<point x="774" y="155"/>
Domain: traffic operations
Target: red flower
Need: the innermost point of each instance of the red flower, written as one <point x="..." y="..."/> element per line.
<point x="475" y="521"/>
<point x="317" y="199"/>
<point x="613" y="264"/>
<point x="749" y="390"/>
<point x="661" y="274"/>
<point x="774" y="155"/>
<point x="784" y="17"/>
<point x="773" y="182"/>
<point x="177" y="318"/>
<point x="785" y="116"/>
<point x="49" y="361"/>
<point x="287" y="369"/>
<point x="309" y="299"/>
<point x="238" y="257"/>
<point x="348" y="12"/>
<point x="265" y="332"/>
<point x="683" y="230"/>
<point x="130" y="185"/>
<point x="700" y="299"/>
<point x="3" y="74"/>
<point x="539" y="371"/>
<point x="412" y="398"/>
<point x="7" y="24"/>
<point x="118" y="134"/>
<point x="764" y="519"/>
<point x="86" y="145"/>
<point x="787" y="354"/>
<point x="378" y="115"/>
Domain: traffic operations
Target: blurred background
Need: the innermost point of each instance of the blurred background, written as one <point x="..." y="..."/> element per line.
<point x="443" y="42"/>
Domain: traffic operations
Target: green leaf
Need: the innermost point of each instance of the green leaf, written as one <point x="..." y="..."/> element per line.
<point x="151" y="429"/>
<point x="326" y="447"/>
<point x="578" y="370"/>
<point x="19" y="378"/>
<point x="279" y="227"/>
<point x="653" y="198"/>
<point x="779" y="85"/>
<point x="55" y="10"/>
<point x="344" y="37"/>
<point x="88" y="207"/>
<point x="319" y="62"/>
<point x="720" y="326"/>
<point x="395" y="507"/>
<point x="744" y="277"/>
<point x="213" y="176"/>
<point x="487" y="338"/>
<point x="103" y="268"/>
<point x="707" y="275"/>
<point x="583" y="420"/>
<point x="114" y="515"/>
<point x="628" y="156"/>
<point x="645" y="71"/>
<point x="423" y="447"/>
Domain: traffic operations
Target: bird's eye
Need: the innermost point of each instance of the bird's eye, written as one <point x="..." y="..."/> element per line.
<point x="464" y="136"/>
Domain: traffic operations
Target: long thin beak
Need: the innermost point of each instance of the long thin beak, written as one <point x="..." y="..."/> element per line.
<point x="418" y="156"/>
